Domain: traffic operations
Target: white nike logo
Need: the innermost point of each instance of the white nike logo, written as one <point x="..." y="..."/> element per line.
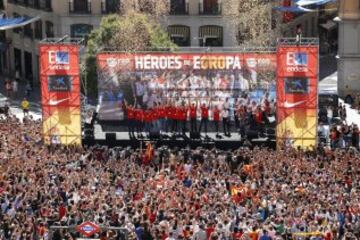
<point x="56" y="102"/>
<point x="291" y="105"/>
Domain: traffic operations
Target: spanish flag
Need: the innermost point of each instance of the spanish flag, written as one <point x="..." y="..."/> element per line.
<point x="149" y="154"/>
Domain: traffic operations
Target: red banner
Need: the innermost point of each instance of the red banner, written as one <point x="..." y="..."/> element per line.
<point x="297" y="88"/>
<point x="60" y="91"/>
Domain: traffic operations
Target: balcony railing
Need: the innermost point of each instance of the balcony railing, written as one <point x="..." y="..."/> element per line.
<point x="37" y="4"/>
<point x="180" y="10"/>
<point x="76" y="10"/>
<point x="215" y="9"/>
<point x="107" y="8"/>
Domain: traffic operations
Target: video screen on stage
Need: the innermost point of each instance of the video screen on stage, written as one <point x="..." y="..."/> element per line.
<point x="149" y="80"/>
<point x="296" y="85"/>
<point x="59" y="83"/>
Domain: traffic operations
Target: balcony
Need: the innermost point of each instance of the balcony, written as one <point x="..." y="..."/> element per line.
<point x="79" y="7"/>
<point x="177" y="8"/>
<point x="110" y="6"/>
<point x="210" y="9"/>
<point x="44" y="5"/>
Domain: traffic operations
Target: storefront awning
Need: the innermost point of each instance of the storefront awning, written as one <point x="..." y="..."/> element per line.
<point x="311" y="2"/>
<point x="295" y="9"/>
<point x="10" y="23"/>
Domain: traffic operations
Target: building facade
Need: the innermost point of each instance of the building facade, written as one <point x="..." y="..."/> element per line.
<point x="349" y="48"/>
<point x="189" y="23"/>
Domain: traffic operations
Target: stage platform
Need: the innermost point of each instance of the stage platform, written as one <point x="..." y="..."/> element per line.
<point x="122" y="139"/>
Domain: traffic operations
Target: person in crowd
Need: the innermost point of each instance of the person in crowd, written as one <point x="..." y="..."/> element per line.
<point x="25" y="105"/>
<point x="15" y="88"/>
<point x="8" y="88"/>
<point x="200" y="193"/>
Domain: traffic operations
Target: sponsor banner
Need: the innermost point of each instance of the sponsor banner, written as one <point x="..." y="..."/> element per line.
<point x="145" y="78"/>
<point x="60" y="93"/>
<point x="297" y="88"/>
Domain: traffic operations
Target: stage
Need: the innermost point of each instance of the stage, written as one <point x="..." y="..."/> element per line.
<point x="103" y="136"/>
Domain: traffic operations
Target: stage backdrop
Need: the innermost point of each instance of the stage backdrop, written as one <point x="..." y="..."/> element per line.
<point x="297" y="91"/>
<point x="60" y="91"/>
<point x="145" y="79"/>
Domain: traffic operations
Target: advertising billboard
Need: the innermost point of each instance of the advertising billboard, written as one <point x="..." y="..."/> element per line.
<point x="60" y="93"/>
<point x="148" y="79"/>
<point x="297" y="92"/>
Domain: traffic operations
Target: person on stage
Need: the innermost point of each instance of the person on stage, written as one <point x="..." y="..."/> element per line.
<point x="162" y="116"/>
<point x="148" y="118"/>
<point x="174" y="117"/>
<point x="226" y="122"/>
<point x="130" y="118"/>
<point x="216" y="119"/>
<point x="193" y="118"/>
<point x="204" y="117"/>
<point x="183" y="118"/>
<point x="139" y="119"/>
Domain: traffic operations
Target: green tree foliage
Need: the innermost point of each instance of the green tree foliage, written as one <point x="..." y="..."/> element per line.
<point x="129" y="32"/>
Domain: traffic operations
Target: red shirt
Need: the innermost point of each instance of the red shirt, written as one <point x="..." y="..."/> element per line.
<point x="130" y="113"/>
<point x="183" y="114"/>
<point x="162" y="112"/>
<point x="139" y="115"/>
<point x="209" y="231"/>
<point x="216" y="114"/>
<point x="148" y="116"/>
<point x="178" y="113"/>
<point x="192" y="112"/>
<point x="204" y="112"/>
<point x="259" y="117"/>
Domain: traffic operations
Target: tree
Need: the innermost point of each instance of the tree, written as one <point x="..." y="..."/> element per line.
<point x="257" y="24"/>
<point x="136" y="28"/>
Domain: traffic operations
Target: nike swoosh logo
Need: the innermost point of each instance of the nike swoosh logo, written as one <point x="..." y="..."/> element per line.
<point x="291" y="105"/>
<point x="56" y="102"/>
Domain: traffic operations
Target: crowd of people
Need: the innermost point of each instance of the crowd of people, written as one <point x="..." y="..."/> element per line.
<point x="171" y="194"/>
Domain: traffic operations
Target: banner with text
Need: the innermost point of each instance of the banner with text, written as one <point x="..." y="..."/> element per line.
<point x="297" y="92"/>
<point x="147" y="79"/>
<point x="60" y="92"/>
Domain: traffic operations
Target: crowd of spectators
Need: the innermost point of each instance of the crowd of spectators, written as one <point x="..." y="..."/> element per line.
<point x="196" y="194"/>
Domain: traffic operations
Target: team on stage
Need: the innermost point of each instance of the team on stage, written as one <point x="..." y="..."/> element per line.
<point x="182" y="118"/>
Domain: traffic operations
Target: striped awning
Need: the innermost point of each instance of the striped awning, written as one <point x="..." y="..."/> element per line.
<point x="211" y="32"/>
<point x="179" y="31"/>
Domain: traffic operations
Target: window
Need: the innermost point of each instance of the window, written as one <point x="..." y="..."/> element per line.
<point x="80" y="30"/>
<point x="211" y="36"/>
<point x="180" y="35"/>
<point x="38" y="30"/>
<point x="49" y="29"/>
<point x="178" y="7"/>
<point x="28" y="31"/>
<point x="2" y="5"/>
<point x="80" y="6"/>
<point x="110" y="6"/>
<point x="46" y="5"/>
<point x="210" y="7"/>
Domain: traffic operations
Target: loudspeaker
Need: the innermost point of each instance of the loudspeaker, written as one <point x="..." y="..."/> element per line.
<point x="252" y="134"/>
<point x="194" y="135"/>
<point x="110" y="137"/>
<point x="154" y="135"/>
